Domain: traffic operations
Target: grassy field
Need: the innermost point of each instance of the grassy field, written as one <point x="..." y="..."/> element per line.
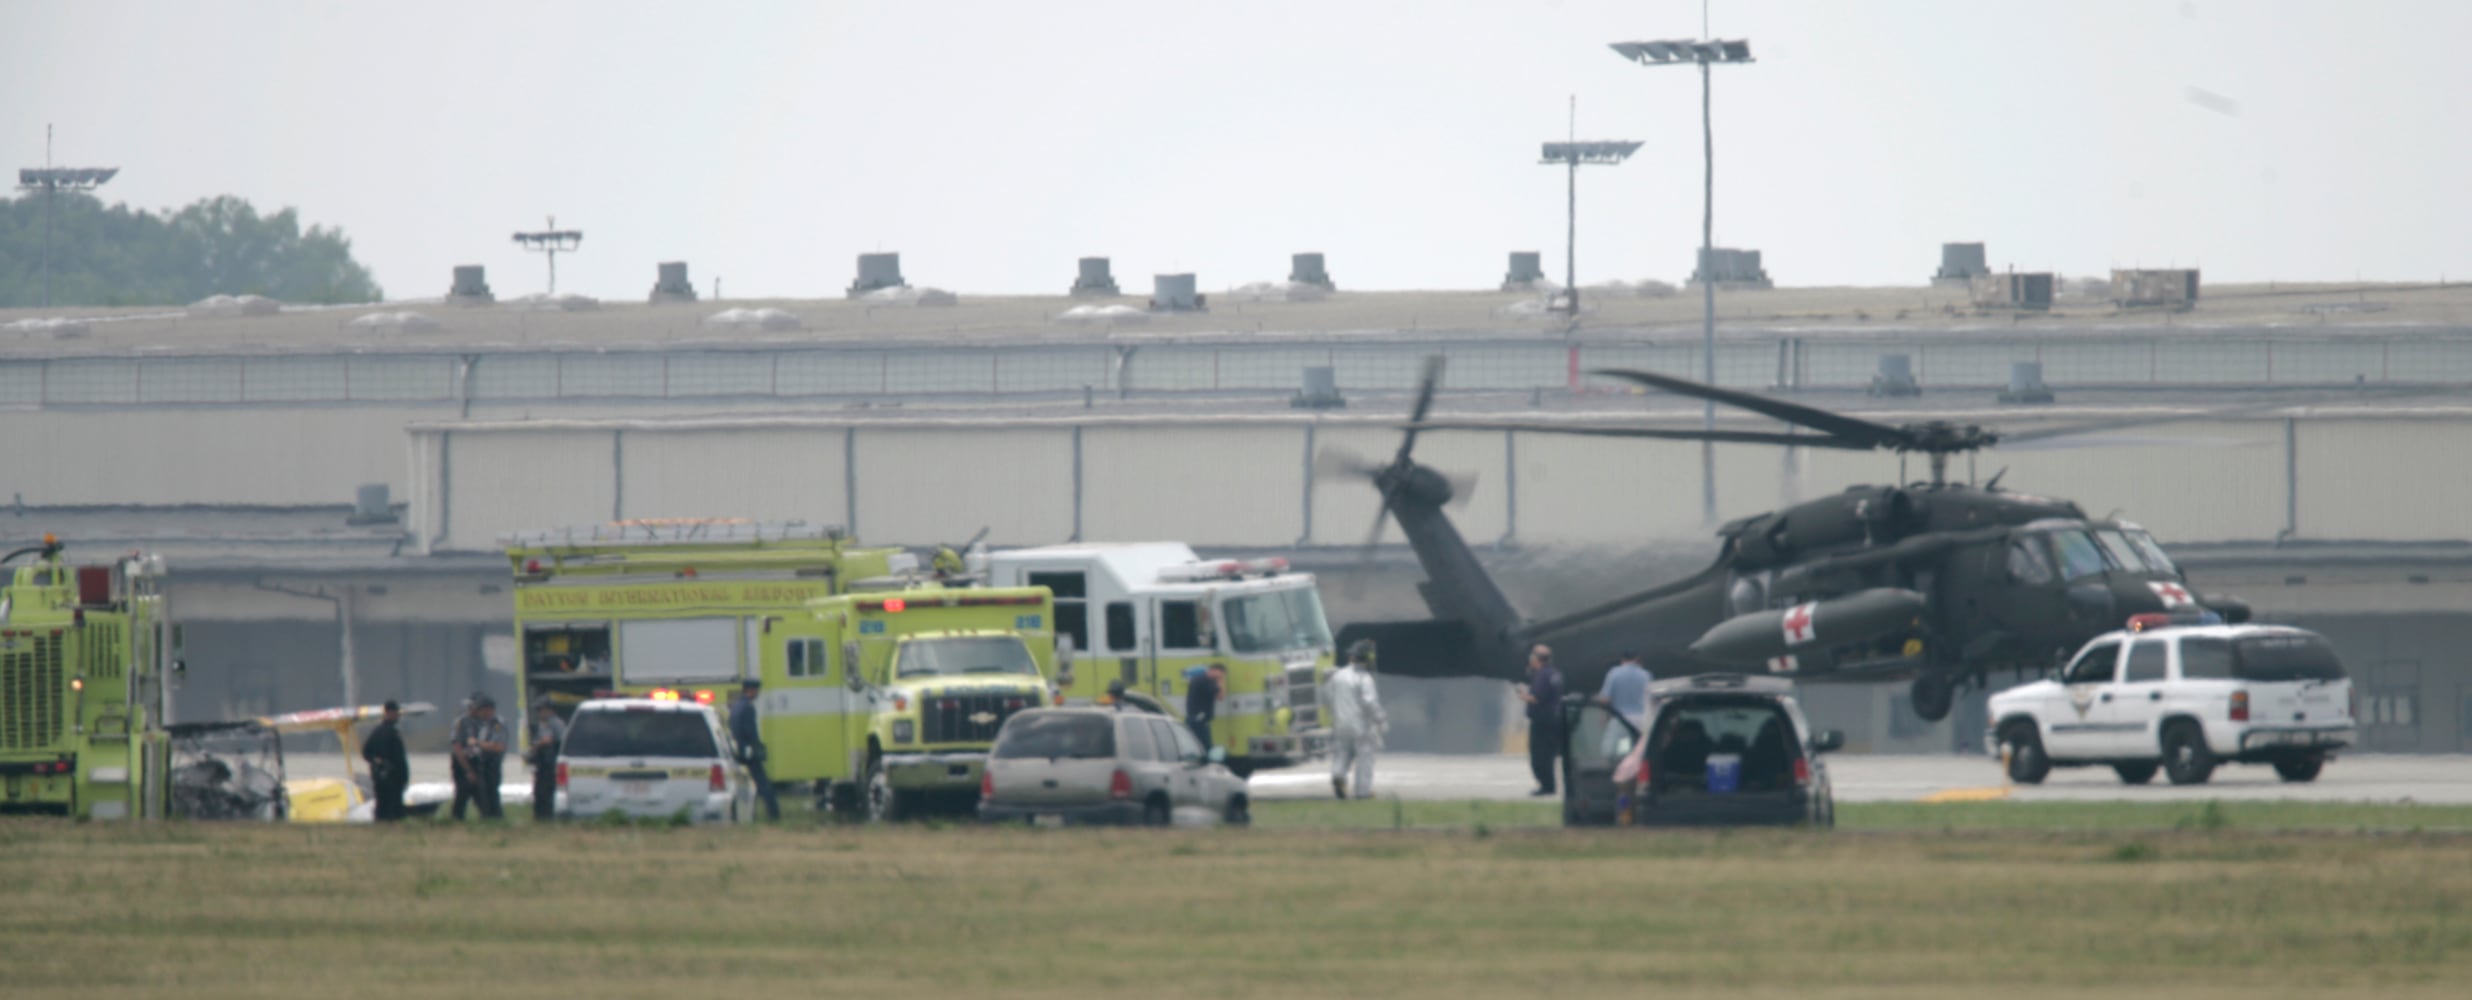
<point x="1487" y="908"/>
<point x="1956" y="816"/>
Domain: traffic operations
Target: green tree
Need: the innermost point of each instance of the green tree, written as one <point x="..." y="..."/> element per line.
<point x="118" y="256"/>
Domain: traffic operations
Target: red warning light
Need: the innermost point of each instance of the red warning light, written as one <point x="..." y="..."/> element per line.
<point x="895" y="605"/>
<point x="532" y="565"/>
<point x="703" y="697"/>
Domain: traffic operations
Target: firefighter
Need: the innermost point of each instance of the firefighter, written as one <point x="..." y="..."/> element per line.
<point x="389" y="769"/>
<point x="548" y="734"/>
<point x="1357" y="722"/>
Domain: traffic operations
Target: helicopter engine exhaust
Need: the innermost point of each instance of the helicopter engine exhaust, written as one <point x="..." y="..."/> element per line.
<point x="1767" y="637"/>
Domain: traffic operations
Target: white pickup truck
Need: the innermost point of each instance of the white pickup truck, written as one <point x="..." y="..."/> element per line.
<point x="2182" y="699"/>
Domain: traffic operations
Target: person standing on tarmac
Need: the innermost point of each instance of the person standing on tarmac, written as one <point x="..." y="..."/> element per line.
<point x="548" y="735"/>
<point x="1543" y="694"/>
<point x="1202" y="702"/>
<point x="1357" y="722"/>
<point x="749" y="735"/>
<point x="480" y="757"/>
<point x="390" y="770"/>
<point x="461" y="768"/>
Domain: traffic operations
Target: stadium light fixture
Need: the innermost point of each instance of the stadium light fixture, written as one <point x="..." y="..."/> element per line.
<point x="1702" y="53"/>
<point x="1574" y="154"/>
<point x="51" y="181"/>
<point x="552" y="241"/>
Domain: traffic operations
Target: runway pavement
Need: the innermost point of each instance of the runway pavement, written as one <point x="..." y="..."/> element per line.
<point x="1884" y="778"/>
<point x="2434" y="780"/>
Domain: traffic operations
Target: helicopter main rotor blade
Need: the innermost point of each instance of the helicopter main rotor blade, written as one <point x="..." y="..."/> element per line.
<point x="1424" y="404"/>
<point x="1862" y="433"/>
<point x="1659" y="433"/>
<point x="2217" y="413"/>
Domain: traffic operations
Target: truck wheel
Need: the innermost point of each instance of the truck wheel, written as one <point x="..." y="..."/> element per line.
<point x="2138" y="773"/>
<point x="2027" y="763"/>
<point x="1239" y="812"/>
<point x="2299" y="769"/>
<point x="883" y="801"/>
<point x="2186" y="760"/>
<point x="1155" y="812"/>
<point x="1932" y="695"/>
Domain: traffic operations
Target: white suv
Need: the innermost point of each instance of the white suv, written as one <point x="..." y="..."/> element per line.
<point x="2182" y="699"/>
<point x="651" y="759"/>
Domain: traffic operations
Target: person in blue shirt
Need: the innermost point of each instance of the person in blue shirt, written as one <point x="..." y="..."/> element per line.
<point x="750" y="739"/>
<point x="1626" y="690"/>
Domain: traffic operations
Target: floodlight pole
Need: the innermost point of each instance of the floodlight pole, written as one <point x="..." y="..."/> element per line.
<point x="1573" y="154"/>
<point x="1704" y="52"/>
<point x="550" y="242"/>
<point x="49" y="180"/>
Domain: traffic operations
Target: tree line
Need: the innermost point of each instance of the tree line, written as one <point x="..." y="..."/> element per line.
<point x="118" y="256"/>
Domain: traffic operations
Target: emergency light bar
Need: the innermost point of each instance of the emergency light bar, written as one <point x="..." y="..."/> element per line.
<point x="2158" y="619"/>
<point x="1225" y="569"/>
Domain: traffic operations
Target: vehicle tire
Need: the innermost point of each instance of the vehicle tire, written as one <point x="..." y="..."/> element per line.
<point x="2138" y="773"/>
<point x="849" y="800"/>
<point x="2027" y="763"/>
<point x="883" y="801"/>
<point x="2186" y="759"/>
<point x="1932" y="694"/>
<point x="1156" y="812"/>
<point x="2299" y="769"/>
<point x="1239" y="811"/>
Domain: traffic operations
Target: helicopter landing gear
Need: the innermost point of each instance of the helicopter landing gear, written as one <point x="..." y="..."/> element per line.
<point x="1933" y="694"/>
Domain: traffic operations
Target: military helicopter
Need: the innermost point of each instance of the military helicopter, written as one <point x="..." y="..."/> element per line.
<point x="1939" y="582"/>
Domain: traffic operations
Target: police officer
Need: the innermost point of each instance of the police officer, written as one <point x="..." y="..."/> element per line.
<point x="745" y="730"/>
<point x="389" y="769"/>
<point x="1543" y="693"/>
<point x="480" y="757"/>
<point x="548" y="735"/>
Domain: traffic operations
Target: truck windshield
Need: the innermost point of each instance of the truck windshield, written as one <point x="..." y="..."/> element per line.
<point x="639" y="734"/>
<point x="1275" y="620"/>
<point x="978" y="654"/>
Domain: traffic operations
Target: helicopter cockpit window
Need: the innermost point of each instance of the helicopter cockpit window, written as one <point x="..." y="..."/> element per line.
<point x="2155" y="559"/>
<point x="2079" y="557"/>
<point x="2027" y="562"/>
<point x="2118" y="546"/>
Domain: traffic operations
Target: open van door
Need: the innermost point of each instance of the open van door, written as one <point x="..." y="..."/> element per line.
<point x="1595" y="740"/>
<point x="808" y="713"/>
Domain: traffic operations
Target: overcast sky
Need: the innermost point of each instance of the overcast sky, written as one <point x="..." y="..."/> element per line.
<point x="993" y="143"/>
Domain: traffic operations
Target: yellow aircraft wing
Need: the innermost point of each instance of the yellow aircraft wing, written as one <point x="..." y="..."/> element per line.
<point x="326" y="800"/>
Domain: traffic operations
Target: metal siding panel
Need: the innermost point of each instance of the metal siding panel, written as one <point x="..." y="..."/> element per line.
<point x="270" y="456"/>
<point x="2385" y="480"/>
<point x="768" y="475"/>
<point x="1201" y="485"/>
<point x="506" y="482"/>
<point x="918" y="487"/>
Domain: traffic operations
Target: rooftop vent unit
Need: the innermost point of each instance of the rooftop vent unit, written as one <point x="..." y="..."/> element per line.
<point x="1094" y="279"/>
<point x="2030" y="292"/>
<point x="1176" y="293"/>
<point x="2025" y="384"/>
<point x="1731" y="268"/>
<point x="371" y="507"/>
<point x="1896" y="377"/>
<point x="1321" y="391"/>
<point x="877" y="271"/>
<point x="1527" y="268"/>
<point x="673" y="285"/>
<point x="1960" y="264"/>
<point x="471" y="287"/>
<point x="1306" y="269"/>
<point x="2148" y="288"/>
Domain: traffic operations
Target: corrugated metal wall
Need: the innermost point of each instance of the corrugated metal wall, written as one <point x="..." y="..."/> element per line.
<point x="1243" y="483"/>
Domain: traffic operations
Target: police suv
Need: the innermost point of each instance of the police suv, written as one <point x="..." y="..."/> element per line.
<point x="2181" y="698"/>
<point x="652" y="758"/>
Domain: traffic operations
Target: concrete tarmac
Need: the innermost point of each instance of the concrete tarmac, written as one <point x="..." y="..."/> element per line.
<point x="2432" y="780"/>
<point x="1891" y="778"/>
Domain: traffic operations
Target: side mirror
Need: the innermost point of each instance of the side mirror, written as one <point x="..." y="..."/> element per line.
<point x="850" y="667"/>
<point x="1064" y="660"/>
<point x="180" y="668"/>
<point x="1827" y="741"/>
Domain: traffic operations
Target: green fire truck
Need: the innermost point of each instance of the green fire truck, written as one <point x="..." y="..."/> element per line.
<point x="84" y="655"/>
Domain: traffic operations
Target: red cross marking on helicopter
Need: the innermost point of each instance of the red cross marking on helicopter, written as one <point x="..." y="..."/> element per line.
<point x="1798" y="628"/>
<point x="2173" y="594"/>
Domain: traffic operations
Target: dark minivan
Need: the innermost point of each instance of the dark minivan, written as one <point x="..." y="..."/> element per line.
<point x="1721" y="750"/>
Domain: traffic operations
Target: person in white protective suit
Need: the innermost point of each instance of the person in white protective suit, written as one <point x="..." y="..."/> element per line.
<point x="1356" y="722"/>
